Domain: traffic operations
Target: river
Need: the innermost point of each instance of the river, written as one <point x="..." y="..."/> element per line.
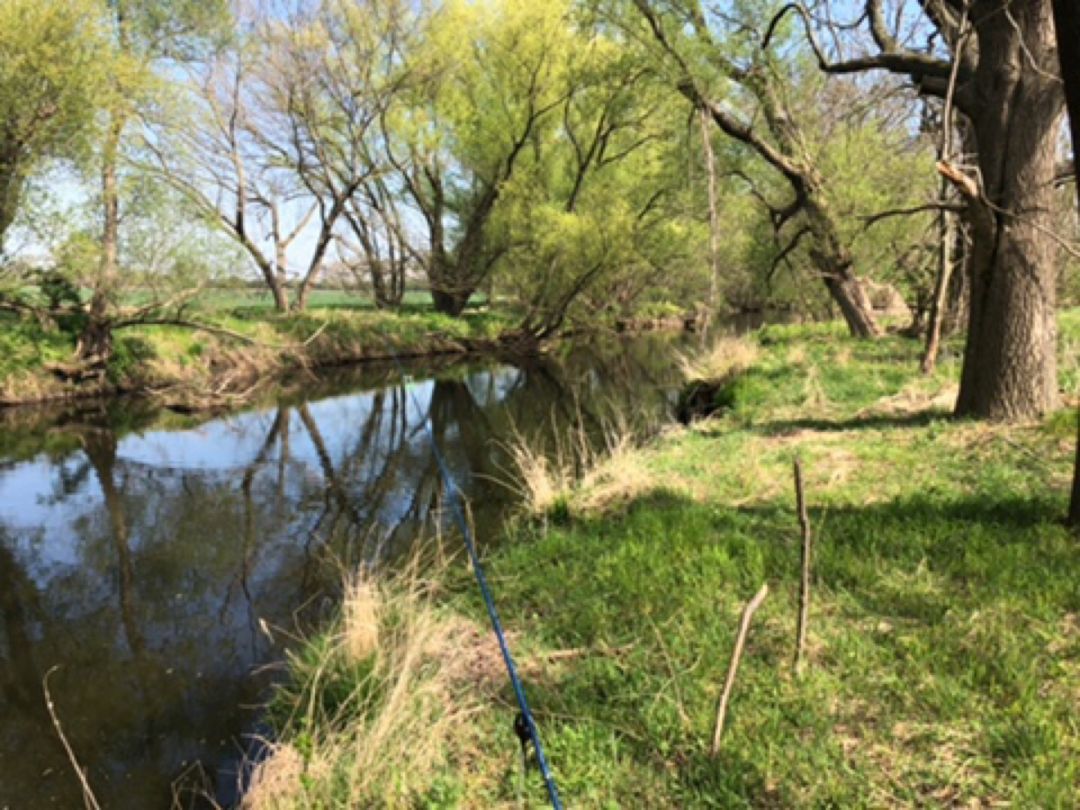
<point x="160" y="564"/>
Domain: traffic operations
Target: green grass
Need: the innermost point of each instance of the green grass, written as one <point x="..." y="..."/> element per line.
<point x="261" y="301"/>
<point x="23" y="345"/>
<point x="944" y="647"/>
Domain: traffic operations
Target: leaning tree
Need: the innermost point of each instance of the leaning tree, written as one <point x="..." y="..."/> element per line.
<point x="756" y="113"/>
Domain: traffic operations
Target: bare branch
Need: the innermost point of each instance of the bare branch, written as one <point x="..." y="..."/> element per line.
<point x="936" y="205"/>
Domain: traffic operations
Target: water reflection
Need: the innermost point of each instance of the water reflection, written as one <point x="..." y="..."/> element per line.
<point x="148" y="562"/>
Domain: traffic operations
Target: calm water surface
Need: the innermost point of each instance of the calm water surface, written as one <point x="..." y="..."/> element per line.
<point x="159" y="565"/>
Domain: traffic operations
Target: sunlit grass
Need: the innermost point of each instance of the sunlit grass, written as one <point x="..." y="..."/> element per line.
<point x="243" y="347"/>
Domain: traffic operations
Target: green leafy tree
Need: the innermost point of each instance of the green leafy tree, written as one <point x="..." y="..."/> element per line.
<point x="597" y="214"/>
<point x="489" y="76"/>
<point x="54" y="58"/>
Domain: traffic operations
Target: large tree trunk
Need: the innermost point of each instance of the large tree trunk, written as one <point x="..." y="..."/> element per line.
<point x="276" y="279"/>
<point x="450" y="301"/>
<point x="1067" y="21"/>
<point x="449" y="292"/>
<point x="1010" y="369"/>
<point x="303" y="293"/>
<point x="848" y="294"/>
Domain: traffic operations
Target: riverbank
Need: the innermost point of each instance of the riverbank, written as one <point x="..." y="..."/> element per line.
<point x="239" y="353"/>
<point x="243" y="351"/>
<point x="944" y="640"/>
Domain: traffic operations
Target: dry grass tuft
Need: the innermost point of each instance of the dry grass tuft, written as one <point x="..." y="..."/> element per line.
<point x="277" y="782"/>
<point x="616" y="479"/>
<point x="542" y="480"/>
<point x="580" y="472"/>
<point x="360" y="620"/>
<point x="376" y="713"/>
<point x="727" y="357"/>
<point x="914" y="398"/>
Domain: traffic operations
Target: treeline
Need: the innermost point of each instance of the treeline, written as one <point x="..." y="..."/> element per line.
<point x="569" y="159"/>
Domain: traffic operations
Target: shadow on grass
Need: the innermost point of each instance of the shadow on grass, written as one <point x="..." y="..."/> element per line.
<point x="669" y="575"/>
<point x="867" y="422"/>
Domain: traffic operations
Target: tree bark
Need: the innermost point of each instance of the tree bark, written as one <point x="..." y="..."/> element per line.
<point x="958" y="295"/>
<point x="1067" y="22"/>
<point x="450" y="300"/>
<point x="939" y="299"/>
<point x="275" y="276"/>
<point x="850" y="296"/>
<point x="835" y="264"/>
<point x="1010" y="368"/>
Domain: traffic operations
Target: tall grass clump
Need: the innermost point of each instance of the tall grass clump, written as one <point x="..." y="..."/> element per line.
<point x="375" y="709"/>
<point x="542" y="479"/>
<point x="551" y="478"/>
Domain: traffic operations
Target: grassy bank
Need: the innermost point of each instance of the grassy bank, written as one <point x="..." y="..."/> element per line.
<point x="944" y="642"/>
<point x="245" y="345"/>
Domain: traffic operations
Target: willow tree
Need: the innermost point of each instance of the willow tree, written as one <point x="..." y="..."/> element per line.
<point x="487" y="76"/>
<point x="599" y="211"/>
<point x="53" y="62"/>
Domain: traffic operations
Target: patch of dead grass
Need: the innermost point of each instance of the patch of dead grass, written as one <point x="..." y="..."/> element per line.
<point x="726" y="357"/>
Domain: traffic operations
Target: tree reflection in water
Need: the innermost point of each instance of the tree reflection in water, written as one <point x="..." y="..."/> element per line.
<point x="145" y="563"/>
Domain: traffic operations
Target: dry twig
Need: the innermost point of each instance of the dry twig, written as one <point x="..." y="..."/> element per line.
<point x="804" y="586"/>
<point x="89" y="800"/>
<point x="733" y="667"/>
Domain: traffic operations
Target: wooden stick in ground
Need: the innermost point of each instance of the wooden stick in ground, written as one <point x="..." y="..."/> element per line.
<point x="89" y="800"/>
<point x="733" y="667"/>
<point x="804" y="586"/>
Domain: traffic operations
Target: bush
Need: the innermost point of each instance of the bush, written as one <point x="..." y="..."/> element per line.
<point x="129" y="355"/>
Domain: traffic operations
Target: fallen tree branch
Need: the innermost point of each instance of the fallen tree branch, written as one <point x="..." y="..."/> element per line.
<point x="584" y="652"/>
